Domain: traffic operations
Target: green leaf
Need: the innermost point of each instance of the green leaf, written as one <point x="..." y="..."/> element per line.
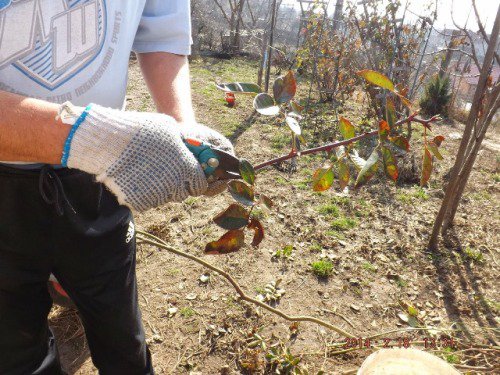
<point x="296" y="107"/>
<point x="264" y="104"/>
<point x="383" y="130"/>
<point x="284" y="88"/>
<point x="264" y="199"/>
<point x="293" y="125"/>
<point x="368" y="170"/>
<point x="322" y="179"/>
<point x="391" y="169"/>
<point x="426" y="167"/>
<point x="346" y="128"/>
<point x="358" y="161"/>
<point x="234" y="217"/>
<point x="231" y="241"/>
<point x="247" y="172"/>
<point x="412" y="311"/>
<point x="390" y="112"/>
<point x="258" y="231"/>
<point x="377" y="78"/>
<point x="400" y="142"/>
<point x="241" y="192"/>
<point x="240" y="87"/>
<point x="434" y="149"/>
<point x="344" y="173"/>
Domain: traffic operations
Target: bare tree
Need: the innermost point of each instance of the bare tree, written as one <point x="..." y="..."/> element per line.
<point x="484" y="107"/>
<point x="234" y="20"/>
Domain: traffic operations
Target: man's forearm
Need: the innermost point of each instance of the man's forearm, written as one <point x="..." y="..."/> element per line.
<point x="167" y="77"/>
<point x="29" y="130"/>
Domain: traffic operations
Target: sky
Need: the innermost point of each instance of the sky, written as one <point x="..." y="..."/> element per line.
<point x="461" y="8"/>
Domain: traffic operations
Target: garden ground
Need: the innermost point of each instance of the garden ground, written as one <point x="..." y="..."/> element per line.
<point x="374" y="238"/>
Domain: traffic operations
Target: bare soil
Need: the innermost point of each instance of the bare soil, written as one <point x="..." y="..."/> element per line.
<point x="376" y="239"/>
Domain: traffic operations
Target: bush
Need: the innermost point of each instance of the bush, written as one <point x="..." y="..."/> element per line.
<point x="436" y="96"/>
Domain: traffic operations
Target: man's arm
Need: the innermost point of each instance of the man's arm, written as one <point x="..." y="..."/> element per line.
<point x="29" y="130"/>
<point x="167" y="77"/>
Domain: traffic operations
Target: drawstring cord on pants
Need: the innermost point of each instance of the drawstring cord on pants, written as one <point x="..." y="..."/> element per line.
<point x="52" y="190"/>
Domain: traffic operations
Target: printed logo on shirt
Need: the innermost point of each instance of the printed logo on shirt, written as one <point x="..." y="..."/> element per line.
<point x="50" y="41"/>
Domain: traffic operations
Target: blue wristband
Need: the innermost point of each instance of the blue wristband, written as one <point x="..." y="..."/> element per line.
<point x="67" y="144"/>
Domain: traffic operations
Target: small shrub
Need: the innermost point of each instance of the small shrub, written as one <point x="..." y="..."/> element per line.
<point x="459" y="114"/>
<point x="436" y="96"/>
<point x="322" y="268"/>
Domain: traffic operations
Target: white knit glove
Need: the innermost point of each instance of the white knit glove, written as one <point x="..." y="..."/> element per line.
<point x="140" y="157"/>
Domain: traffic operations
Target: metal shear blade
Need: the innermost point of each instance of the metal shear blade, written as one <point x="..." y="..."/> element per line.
<point x="229" y="166"/>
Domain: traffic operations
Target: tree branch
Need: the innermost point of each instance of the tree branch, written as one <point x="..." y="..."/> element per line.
<point x="482" y="30"/>
<point x="331" y="146"/>
<point x="223" y="11"/>
<point x="466" y="32"/>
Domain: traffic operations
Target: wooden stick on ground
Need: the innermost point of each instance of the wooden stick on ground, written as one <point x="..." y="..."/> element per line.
<point x="155" y="241"/>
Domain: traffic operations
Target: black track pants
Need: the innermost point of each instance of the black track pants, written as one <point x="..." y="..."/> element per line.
<point x="62" y="222"/>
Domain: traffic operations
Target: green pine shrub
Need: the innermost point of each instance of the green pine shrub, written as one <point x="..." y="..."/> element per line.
<point x="436" y="96"/>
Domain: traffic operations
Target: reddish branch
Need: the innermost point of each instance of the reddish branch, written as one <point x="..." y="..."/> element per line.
<point x="330" y="146"/>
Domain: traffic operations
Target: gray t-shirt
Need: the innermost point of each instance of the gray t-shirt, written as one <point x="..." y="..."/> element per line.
<point x="78" y="50"/>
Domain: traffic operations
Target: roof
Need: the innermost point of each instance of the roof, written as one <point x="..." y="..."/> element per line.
<point x="472" y="76"/>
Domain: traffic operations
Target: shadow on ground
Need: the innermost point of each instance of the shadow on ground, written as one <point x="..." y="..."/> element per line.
<point x="70" y="338"/>
<point x="457" y="277"/>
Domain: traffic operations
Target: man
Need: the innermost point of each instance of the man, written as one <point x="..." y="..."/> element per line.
<point x="54" y="216"/>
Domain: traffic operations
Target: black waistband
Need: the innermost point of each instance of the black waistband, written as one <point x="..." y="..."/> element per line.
<point x="61" y="172"/>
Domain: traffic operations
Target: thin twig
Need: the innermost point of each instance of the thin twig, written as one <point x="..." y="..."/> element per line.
<point x="334" y="312"/>
<point x="475" y="368"/>
<point x="153" y="240"/>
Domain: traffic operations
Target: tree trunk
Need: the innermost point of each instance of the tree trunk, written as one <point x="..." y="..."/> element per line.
<point x="449" y="54"/>
<point x="337" y="15"/>
<point x="469" y="163"/>
<point x="271" y="41"/>
<point x="263" y="61"/>
<point x="236" y="38"/>
<point x="464" y="161"/>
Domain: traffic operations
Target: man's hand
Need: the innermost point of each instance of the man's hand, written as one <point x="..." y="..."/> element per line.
<point x="140" y="157"/>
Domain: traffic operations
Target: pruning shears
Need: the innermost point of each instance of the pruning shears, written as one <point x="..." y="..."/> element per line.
<point x="217" y="164"/>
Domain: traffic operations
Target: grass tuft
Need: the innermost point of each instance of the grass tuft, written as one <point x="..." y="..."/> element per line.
<point x="322" y="268"/>
<point x="330" y="209"/>
<point x="405" y="196"/>
<point x="473" y="255"/>
<point x="187" y="312"/>
<point x="369" y="267"/>
<point x="343" y="224"/>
